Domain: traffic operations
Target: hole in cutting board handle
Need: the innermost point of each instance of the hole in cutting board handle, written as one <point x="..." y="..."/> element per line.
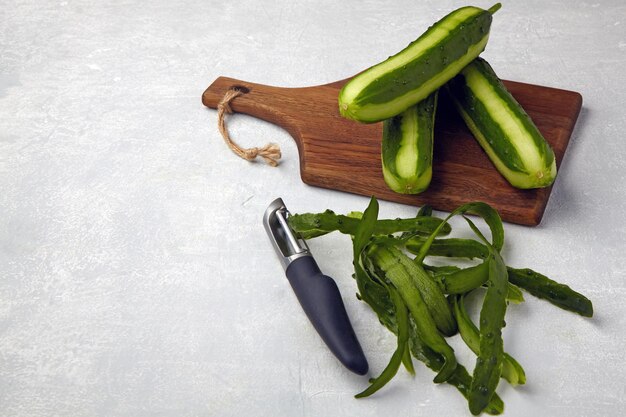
<point x="241" y="88"/>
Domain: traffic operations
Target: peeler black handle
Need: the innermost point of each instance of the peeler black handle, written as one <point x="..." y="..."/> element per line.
<point x="320" y="298"/>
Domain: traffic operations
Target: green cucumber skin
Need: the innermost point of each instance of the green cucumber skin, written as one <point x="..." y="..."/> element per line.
<point x="426" y="327"/>
<point x="512" y="371"/>
<point x="491" y="347"/>
<point x="451" y="247"/>
<point x="380" y="301"/>
<point x="430" y="292"/>
<point x="558" y="294"/>
<point x="405" y="79"/>
<point x="407" y="147"/>
<point x="460" y="379"/>
<point x="310" y="225"/>
<point x="535" y="166"/>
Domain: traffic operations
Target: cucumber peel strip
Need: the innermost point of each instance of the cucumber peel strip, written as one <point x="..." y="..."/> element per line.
<point x="426" y="327"/>
<point x="310" y="225"/>
<point x="488" y="367"/>
<point x="512" y="371"/>
<point x="398" y="356"/>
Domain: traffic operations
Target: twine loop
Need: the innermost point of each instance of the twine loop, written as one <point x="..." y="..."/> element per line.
<point x="270" y="152"/>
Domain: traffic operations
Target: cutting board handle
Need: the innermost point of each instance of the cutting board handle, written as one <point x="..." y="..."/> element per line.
<point x="273" y="104"/>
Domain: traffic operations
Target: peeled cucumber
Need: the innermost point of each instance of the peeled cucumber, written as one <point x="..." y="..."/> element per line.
<point x="502" y="127"/>
<point x="407" y="147"/>
<point x="405" y="79"/>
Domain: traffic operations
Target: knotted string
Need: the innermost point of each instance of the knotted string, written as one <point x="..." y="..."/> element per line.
<point x="270" y="152"/>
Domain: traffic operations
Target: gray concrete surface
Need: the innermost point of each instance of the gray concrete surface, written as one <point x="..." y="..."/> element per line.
<point x="135" y="276"/>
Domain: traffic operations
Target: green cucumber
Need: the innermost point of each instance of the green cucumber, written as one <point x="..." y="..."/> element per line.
<point x="407" y="147"/>
<point x="405" y="79"/>
<point x="502" y="127"/>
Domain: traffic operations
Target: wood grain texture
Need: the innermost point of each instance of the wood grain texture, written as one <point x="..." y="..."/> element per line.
<point x="344" y="155"/>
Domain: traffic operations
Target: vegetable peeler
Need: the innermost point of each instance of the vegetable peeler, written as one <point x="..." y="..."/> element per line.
<point x="317" y="293"/>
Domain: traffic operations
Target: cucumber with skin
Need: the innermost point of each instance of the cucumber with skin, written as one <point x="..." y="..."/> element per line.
<point x="502" y="127"/>
<point x="405" y="79"/>
<point x="407" y="147"/>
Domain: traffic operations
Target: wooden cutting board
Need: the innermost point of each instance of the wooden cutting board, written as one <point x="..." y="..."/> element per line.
<point x="344" y="155"/>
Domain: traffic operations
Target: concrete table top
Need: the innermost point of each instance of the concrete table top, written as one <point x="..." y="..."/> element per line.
<point x="135" y="276"/>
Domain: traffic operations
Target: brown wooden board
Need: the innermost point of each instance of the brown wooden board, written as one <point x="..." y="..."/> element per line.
<point x="344" y="155"/>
